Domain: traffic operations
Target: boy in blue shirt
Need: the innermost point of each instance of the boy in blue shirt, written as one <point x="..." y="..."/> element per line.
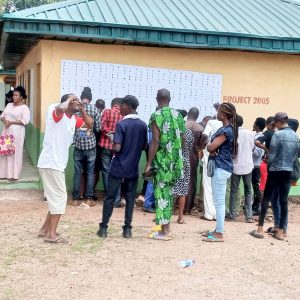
<point x="130" y="139"/>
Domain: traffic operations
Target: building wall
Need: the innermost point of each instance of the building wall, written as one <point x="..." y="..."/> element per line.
<point x="259" y="84"/>
<point x="263" y="84"/>
<point x="28" y="75"/>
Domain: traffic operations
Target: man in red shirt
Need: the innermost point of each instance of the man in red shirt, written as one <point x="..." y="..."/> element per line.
<point x="109" y="119"/>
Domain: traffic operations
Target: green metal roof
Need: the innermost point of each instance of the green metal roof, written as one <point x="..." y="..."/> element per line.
<point x="263" y="18"/>
<point x="252" y="25"/>
<point x="8" y="72"/>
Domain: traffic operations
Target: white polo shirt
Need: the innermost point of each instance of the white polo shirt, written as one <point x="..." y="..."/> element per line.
<point x="243" y="163"/>
<point x="58" y="138"/>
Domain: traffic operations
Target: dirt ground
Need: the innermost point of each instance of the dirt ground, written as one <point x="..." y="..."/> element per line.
<point x="90" y="268"/>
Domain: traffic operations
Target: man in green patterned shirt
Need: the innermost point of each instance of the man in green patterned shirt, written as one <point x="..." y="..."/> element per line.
<point x="165" y="155"/>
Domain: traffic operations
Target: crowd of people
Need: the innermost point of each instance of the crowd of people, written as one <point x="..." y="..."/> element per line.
<point x="110" y="142"/>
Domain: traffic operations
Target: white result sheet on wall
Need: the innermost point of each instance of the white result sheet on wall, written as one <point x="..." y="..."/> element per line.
<point x="108" y="81"/>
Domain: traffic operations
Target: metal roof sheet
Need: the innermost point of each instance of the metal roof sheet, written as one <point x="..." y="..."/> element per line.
<point x="268" y="18"/>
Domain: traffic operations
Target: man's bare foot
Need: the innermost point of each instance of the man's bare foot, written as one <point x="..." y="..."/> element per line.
<point x="260" y="230"/>
<point x="42" y="234"/>
<point x="58" y="240"/>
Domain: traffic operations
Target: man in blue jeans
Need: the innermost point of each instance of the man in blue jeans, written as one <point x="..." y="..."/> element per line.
<point x="85" y="152"/>
<point x="130" y="139"/>
<point x="149" y="204"/>
<point x="242" y="168"/>
<point x="284" y="150"/>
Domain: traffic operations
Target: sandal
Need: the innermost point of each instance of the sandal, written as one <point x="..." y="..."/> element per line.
<point x="212" y="239"/>
<point x="58" y="240"/>
<point x="158" y="236"/>
<point x="205" y="233"/>
<point x="255" y="234"/>
<point x="181" y="222"/>
<point x="271" y="230"/>
<point x="277" y="237"/>
<point x="44" y="235"/>
<point x="156" y="228"/>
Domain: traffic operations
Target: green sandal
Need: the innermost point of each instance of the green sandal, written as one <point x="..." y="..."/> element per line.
<point x="212" y="239"/>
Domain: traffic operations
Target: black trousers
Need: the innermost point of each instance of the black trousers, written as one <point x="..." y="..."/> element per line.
<point x="190" y="198"/>
<point x="130" y="186"/>
<point x="278" y="184"/>
<point x="256" y="191"/>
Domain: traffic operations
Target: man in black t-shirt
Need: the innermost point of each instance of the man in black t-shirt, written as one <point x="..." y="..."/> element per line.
<point x="264" y="140"/>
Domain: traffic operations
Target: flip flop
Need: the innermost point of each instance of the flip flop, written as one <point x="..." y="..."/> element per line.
<point x="275" y="236"/>
<point x="158" y="236"/>
<point x="212" y="239"/>
<point x="255" y="234"/>
<point x="181" y="222"/>
<point x="44" y="235"/>
<point x="271" y="230"/>
<point x="58" y="240"/>
<point x="156" y="228"/>
<point x="205" y="233"/>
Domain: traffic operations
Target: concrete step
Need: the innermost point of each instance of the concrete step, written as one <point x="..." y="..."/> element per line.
<point x="29" y="178"/>
<point x="21" y="195"/>
<point x="20" y="184"/>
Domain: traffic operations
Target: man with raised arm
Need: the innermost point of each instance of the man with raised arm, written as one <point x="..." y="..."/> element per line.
<point x="60" y="128"/>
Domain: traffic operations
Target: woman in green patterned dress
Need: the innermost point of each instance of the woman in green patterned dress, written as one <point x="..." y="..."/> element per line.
<point x="165" y="154"/>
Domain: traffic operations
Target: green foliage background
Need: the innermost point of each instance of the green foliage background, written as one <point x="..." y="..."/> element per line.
<point x="14" y="5"/>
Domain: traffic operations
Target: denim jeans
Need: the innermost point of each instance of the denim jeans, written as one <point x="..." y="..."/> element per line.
<point x="130" y="186"/>
<point x="218" y="182"/>
<point x="84" y="159"/>
<point x="106" y="157"/>
<point x="277" y="190"/>
<point x="277" y="211"/>
<point x="149" y="196"/>
<point x="235" y="181"/>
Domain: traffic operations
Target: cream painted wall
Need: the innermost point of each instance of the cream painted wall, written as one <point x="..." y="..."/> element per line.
<point x="245" y="74"/>
<point x="30" y="62"/>
<point x="2" y="93"/>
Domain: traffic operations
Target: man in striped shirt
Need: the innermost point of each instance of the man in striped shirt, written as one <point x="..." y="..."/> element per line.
<point x="109" y="119"/>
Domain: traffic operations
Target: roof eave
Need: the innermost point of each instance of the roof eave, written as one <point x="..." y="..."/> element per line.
<point x="97" y="33"/>
<point x="10" y="18"/>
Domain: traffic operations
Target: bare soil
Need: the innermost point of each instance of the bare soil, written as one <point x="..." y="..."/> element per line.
<point x="90" y="268"/>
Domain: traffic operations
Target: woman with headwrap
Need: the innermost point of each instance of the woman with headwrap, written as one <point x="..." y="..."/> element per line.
<point x="222" y="149"/>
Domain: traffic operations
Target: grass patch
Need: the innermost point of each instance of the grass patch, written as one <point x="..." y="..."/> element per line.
<point x="11" y="256"/>
<point x="8" y="294"/>
<point x="86" y="240"/>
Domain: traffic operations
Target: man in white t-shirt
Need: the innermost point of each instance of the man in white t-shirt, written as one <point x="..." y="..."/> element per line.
<point x="60" y="127"/>
<point x="242" y="168"/>
<point x="210" y="129"/>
